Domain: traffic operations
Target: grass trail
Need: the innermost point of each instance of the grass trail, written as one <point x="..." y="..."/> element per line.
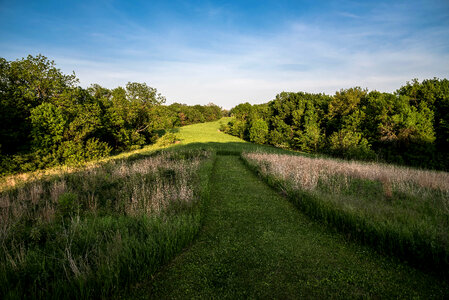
<point x="256" y="244"/>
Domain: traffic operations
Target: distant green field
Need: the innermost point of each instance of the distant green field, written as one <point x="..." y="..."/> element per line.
<point x="208" y="135"/>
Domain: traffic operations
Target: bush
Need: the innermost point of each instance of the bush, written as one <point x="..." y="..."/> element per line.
<point x="225" y="127"/>
<point x="349" y="144"/>
<point x="73" y="153"/>
<point x="95" y="149"/>
<point x="258" y="132"/>
<point x="167" y="139"/>
<point x="238" y="128"/>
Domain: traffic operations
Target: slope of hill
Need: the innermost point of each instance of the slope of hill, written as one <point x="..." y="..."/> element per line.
<point x="113" y="228"/>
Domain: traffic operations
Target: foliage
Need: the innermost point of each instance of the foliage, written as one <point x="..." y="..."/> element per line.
<point x="407" y="127"/>
<point x="238" y="128"/>
<point x="25" y="84"/>
<point x="48" y="120"/>
<point x="241" y="111"/>
<point x="167" y="139"/>
<point x="258" y="131"/>
<point x="47" y="126"/>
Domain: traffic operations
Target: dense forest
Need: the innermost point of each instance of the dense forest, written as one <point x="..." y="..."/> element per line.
<point x="47" y="119"/>
<point x="409" y="126"/>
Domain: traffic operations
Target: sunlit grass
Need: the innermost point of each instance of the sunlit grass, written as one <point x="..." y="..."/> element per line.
<point x="197" y="133"/>
<point x="205" y="133"/>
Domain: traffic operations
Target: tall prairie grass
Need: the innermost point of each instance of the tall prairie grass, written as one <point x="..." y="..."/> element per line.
<point x="306" y="171"/>
<point x="398" y="210"/>
<point x="90" y="233"/>
<point x="20" y="179"/>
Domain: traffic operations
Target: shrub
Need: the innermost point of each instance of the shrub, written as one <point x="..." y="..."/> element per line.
<point x="225" y="127"/>
<point x="238" y="128"/>
<point x="95" y="149"/>
<point x="167" y="139"/>
<point x="258" y="131"/>
<point x="74" y="153"/>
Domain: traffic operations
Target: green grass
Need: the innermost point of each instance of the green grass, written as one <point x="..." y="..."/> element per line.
<point x="91" y="233"/>
<point x="255" y="244"/>
<point x="248" y="241"/>
<point x="208" y="136"/>
<point x="411" y="221"/>
<point x="206" y="133"/>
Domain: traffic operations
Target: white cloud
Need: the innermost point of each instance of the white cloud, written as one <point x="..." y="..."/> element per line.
<point x="229" y="68"/>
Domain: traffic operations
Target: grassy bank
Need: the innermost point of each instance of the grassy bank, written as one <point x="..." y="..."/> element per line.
<point x="397" y="210"/>
<point x="92" y="233"/>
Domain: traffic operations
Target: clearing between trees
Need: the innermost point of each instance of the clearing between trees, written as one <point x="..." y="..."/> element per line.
<point x="190" y="220"/>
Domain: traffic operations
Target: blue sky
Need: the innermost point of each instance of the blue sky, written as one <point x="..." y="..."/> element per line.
<point x="228" y="52"/>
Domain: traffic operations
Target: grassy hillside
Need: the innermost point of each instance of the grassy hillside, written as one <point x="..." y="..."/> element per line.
<point x="206" y="133"/>
<point x="101" y="228"/>
<point x="90" y="233"/>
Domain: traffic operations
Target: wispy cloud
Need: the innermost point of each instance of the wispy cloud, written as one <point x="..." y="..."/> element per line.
<point x="209" y="55"/>
<point x="349" y="15"/>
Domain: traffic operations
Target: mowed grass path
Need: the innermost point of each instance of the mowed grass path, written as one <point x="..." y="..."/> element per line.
<point x="255" y="244"/>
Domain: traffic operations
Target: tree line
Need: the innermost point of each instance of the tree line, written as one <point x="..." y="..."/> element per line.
<point x="47" y="119"/>
<point x="409" y="126"/>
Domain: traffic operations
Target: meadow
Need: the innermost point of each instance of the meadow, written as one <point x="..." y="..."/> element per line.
<point x="88" y="233"/>
<point x="398" y="210"/>
<point x="186" y="218"/>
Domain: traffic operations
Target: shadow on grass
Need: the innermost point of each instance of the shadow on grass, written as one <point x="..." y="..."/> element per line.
<point x="226" y="148"/>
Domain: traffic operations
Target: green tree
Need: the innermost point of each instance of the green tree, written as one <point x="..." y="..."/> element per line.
<point x="258" y="131"/>
<point x="435" y="94"/>
<point x="345" y="119"/>
<point x="343" y="104"/>
<point x="400" y="128"/>
<point x="309" y="136"/>
<point x="48" y="125"/>
<point x="241" y="111"/>
<point x="24" y="85"/>
<point x="143" y="94"/>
